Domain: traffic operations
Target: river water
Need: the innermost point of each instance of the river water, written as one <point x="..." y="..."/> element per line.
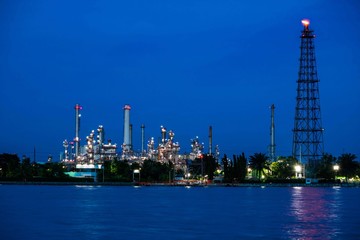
<point x="113" y="212"/>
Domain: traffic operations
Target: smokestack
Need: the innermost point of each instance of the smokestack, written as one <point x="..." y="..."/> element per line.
<point x="210" y="140"/>
<point x="77" y="130"/>
<point x="142" y="138"/>
<point x="272" y="134"/>
<point x="127" y="142"/>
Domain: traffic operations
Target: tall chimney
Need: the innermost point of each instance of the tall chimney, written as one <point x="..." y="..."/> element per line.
<point x="127" y="137"/>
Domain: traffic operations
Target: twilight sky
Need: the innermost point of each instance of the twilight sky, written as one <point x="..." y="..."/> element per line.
<point x="182" y="64"/>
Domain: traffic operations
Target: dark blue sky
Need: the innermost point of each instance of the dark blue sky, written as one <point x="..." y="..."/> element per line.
<point x="182" y="64"/>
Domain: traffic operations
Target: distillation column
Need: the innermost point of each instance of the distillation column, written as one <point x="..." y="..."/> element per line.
<point x="77" y="130"/>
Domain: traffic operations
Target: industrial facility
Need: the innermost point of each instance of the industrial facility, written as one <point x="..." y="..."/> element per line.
<point x="84" y="160"/>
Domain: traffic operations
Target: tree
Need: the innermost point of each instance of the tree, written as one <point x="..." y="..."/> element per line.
<point x="26" y="168"/>
<point x="240" y="167"/>
<point x="119" y="171"/>
<point x="283" y="168"/>
<point x="259" y="162"/>
<point x="53" y="170"/>
<point x="153" y="171"/>
<point x="348" y="165"/>
<point x="210" y="165"/>
<point x="227" y="166"/>
<point x="10" y="165"/>
<point x="204" y="165"/>
<point x="325" y="168"/>
<point x="147" y="170"/>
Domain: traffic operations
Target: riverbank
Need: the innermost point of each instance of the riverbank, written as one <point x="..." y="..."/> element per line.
<point x="146" y="184"/>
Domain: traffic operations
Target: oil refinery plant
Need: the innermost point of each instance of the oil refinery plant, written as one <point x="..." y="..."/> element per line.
<point x="85" y="160"/>
<point x="308" y="145"/>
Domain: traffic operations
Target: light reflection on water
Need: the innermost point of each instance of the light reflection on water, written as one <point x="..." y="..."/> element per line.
<point x="315" y="212"/>
<point x="107" y="212"/>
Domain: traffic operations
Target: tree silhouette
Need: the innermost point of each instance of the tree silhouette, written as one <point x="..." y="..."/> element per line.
<point x="210" y="165"/>
<point x="284" y="167"/>
<point x="348" y="165"/>
<point x="227" y="169"/>
<point x="239" y="167"/>
<point x="26" y="168"/>
<point x="10" y="166"/>
<point x="258" y="163"/>
<point x="326" y="167"/>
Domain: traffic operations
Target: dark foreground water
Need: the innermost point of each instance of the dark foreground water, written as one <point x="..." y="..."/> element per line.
<point x="111" y="212"/>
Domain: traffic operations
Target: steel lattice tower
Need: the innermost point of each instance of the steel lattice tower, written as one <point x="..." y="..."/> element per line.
<point x="308" y="132"/>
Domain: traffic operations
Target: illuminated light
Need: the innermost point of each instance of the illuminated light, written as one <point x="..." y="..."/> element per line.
<point x="297" y="168"/>
<point x="127" y="107"/>
<point x="305" y="22"/>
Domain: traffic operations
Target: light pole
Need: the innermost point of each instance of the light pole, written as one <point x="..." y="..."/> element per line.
<point x="336" y="169"/>
<point x="136" y="171"/>
<point x="188" y="175"/>
<point x="298" y="171"/>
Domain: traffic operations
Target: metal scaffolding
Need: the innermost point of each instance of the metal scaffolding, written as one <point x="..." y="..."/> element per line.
<point x="308" y="132"/>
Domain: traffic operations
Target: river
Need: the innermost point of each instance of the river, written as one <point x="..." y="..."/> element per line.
<point x="127" y="212"/>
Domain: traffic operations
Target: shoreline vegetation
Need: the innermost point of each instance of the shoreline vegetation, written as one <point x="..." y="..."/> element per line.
<point x="175" y="184"/>
<point x="239" y="171"/>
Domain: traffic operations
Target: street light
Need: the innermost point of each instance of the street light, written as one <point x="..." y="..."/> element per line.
<point x="136" y="171"/>
<point x="336" y="169"/>
<point x="297" y="171"/>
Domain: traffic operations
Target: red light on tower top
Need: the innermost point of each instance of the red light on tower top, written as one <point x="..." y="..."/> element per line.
<point x="127" y="107"/>
<point x="305" y="22"/>
<point x="78" y="107"/>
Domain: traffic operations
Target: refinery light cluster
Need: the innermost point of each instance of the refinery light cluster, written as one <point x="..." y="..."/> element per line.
<point x="97" y="150"/>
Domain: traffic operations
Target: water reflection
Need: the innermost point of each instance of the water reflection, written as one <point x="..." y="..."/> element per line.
<point x="314" y="212"/>
<point x="87" y="187"/>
